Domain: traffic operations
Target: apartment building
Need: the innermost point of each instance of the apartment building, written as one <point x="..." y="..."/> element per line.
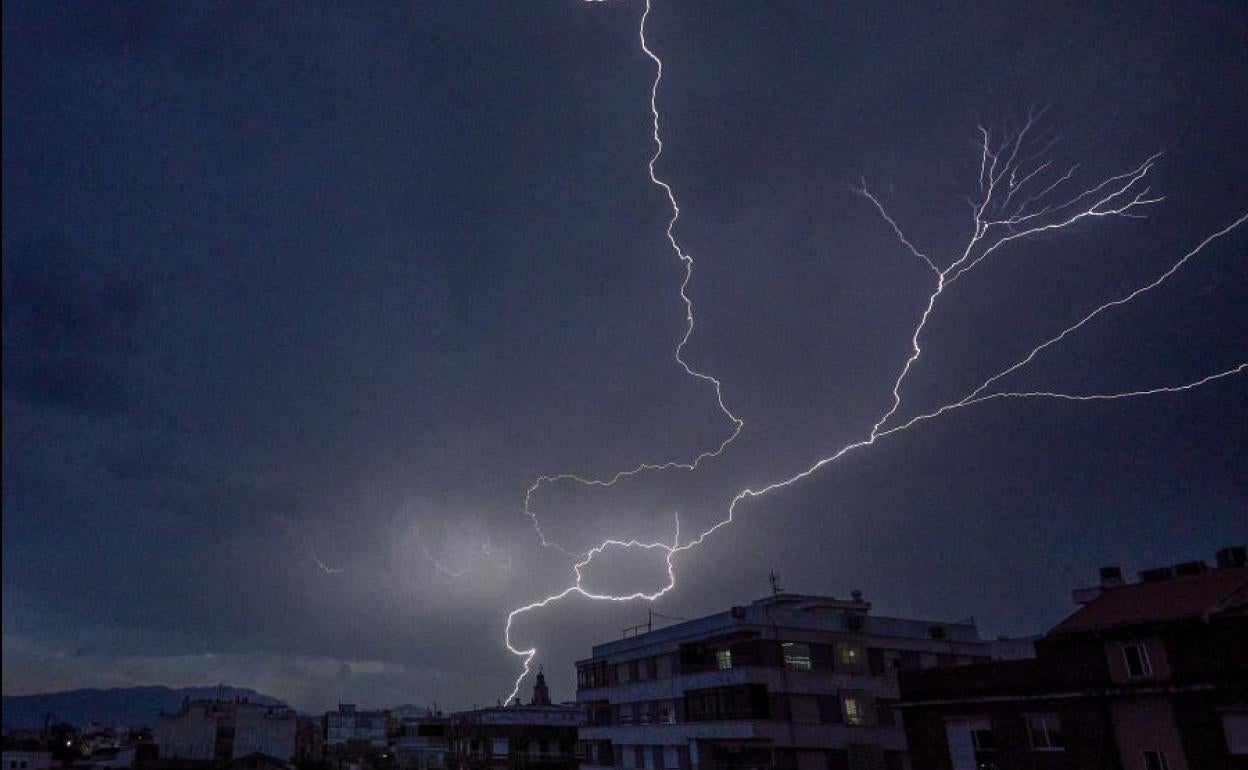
<point x="791" y="681"/>
<point x="222" y="730"/>
<point x="356" y="729"/>
<point x="1145" y="675"/>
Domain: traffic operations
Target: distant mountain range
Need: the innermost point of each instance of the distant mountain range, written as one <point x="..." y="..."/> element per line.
<point x="115" y="707"/>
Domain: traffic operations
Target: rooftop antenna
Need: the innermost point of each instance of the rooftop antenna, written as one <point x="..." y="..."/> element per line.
<point x="774" y="579"/>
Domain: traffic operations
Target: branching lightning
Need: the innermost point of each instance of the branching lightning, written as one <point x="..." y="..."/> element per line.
<point x="687" y="261"/>
<point x="1019" y="197"/>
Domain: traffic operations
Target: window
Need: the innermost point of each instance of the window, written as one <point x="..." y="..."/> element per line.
<point x="498" y="747"/>
<point x="645" y="668"/>
<point x="1045" y="732"/>
<point x="983" y="740"/>
<point x="984" y="744"/>
<point x="1155" y="760"/>
<point x="723" y="658"/>
<point x="796" y="656"/>
<point x="1136" y="657"/>
<point x="853" y="711"/>
<point x="850" y="655"/>
<point x="591" y="676"/>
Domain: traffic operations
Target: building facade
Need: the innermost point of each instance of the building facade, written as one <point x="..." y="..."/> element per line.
<point x="1151" y="675"/>
<point x="537" y="736"/>
<point x="423" y="743"/>
<point x="791" y="681"/>
<point x="222" y="730"/>
<point x="353" y="728"/>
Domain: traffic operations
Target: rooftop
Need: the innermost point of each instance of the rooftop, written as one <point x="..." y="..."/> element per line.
<point x="1161" y="598"/>
<point x="787" y="610"/>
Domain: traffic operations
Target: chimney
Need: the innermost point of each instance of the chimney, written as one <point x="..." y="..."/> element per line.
<point x="1111" y="577"/>
<point x="1235" y="556"/>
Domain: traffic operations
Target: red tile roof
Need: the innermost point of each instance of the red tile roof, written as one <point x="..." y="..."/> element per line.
<point x="1178" y="598"/>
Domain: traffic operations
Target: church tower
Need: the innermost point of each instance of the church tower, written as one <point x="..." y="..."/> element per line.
<point x="541" y="693"/>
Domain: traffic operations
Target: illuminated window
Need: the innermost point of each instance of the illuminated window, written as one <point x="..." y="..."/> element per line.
<point x="1045" y="732"/>
<point x="1136" y="657"/>
<point x="796" y="656"/>
<point x="853" y="711"/>
<point x="850" y="655"/>
<point x="723" y="658"/>
<point x="1155" y="760"/>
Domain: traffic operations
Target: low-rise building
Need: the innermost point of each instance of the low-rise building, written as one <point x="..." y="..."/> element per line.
<point x="790" y="681"/>
<point x="221" y="730"/>
<point x="423" y="743"/>
<point x="17" y="759"/>
<point x="357" y="729"/>
<point x="1150" y="675"/>
<point x="536" y="736"/>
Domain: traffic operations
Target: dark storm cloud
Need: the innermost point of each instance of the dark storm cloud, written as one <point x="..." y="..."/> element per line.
<point x="66" y="321"/>
<point x="330" y="285"/>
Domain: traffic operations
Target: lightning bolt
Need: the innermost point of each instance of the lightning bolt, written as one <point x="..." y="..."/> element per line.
<point x="1006" y="211"/>
<point x="328" y="570"/>
<point x="687" y="261"/>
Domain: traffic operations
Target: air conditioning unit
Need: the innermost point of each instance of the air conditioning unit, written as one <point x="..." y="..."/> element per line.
<point x="938" y="632"/>
<point x="738" y="612"/>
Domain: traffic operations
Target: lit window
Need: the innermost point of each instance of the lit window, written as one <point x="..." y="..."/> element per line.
<point x="1155" y="760"/>
<point x="853" y="711"/>
<point x="723" y="658"/>
<point x="1136" y="657"/>
<point x="797" y="656"/>
<point x="1045" y="732"/>
<point x="850" y="655"/>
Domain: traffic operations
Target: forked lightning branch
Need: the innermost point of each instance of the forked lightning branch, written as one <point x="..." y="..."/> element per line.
<point x="1020" y="194"/>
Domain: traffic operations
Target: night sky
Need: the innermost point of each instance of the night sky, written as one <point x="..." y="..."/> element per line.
<point x="299" y="298"/>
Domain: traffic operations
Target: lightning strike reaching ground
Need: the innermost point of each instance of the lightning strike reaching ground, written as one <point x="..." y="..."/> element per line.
<point x="999" y="218"/>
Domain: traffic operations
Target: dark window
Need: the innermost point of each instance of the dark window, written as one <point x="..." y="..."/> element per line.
<point x="875" y="661"/>
<point x="985" y="744"/>
<point x="1155" y="760"/>
<point x="886" y="715"/>
<point x="591" y="675"/>
<point x="830" y="708"/>
<point x="1136" y="657"/>
<point x="749" y="701"/>
<point x="780" y="706"/>
<point x="1044" y="732"/>
<point x="696" y="657"/>
<point x="838" y="759"/>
